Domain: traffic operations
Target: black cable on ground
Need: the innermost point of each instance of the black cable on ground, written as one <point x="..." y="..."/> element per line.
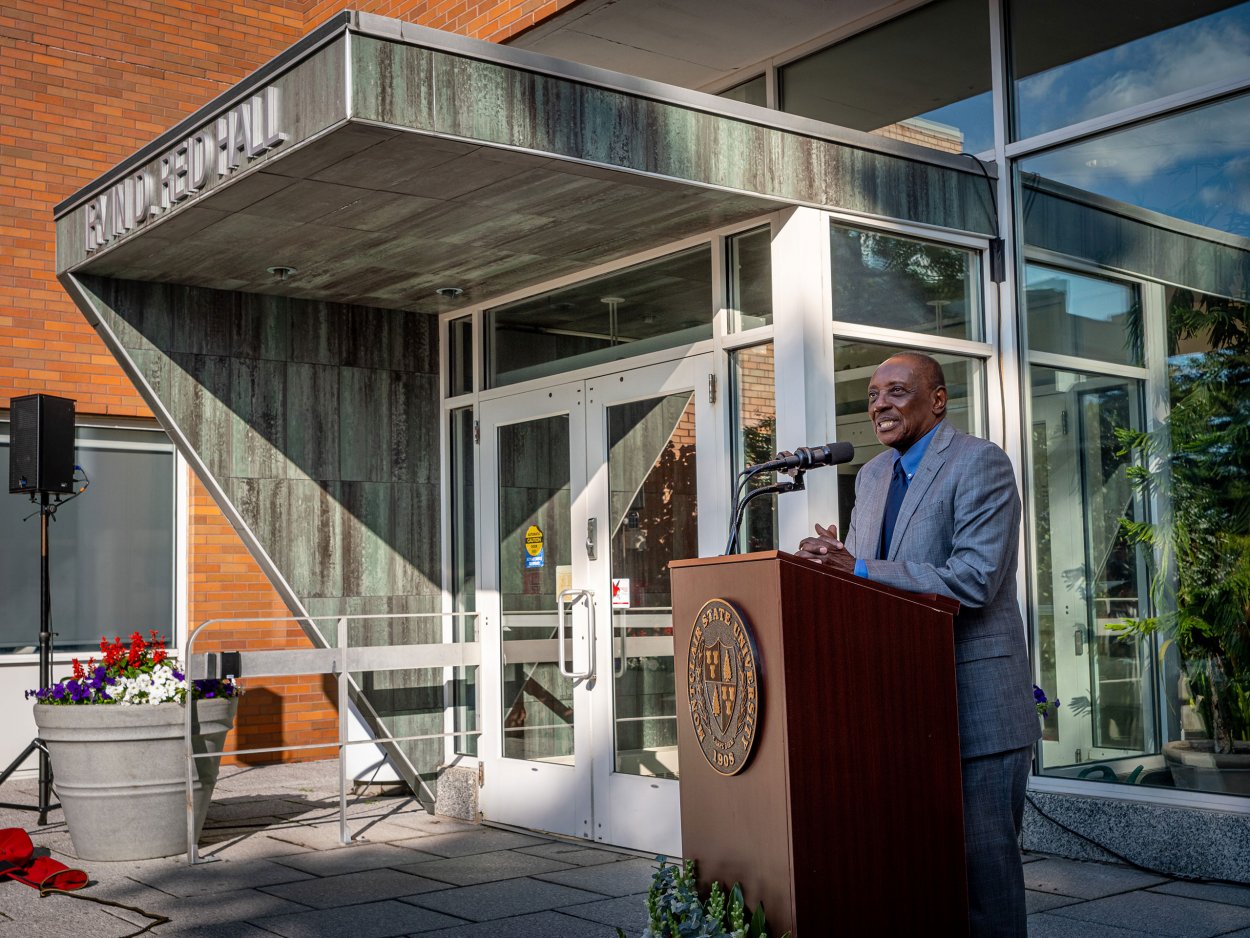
<point x="156" y="918"/>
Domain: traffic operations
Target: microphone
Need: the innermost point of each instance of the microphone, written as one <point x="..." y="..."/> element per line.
<point x="807" y="457"/>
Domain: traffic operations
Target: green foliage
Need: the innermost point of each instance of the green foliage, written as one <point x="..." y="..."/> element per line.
<point x="1198" y="466"/>
<point x="674" y="909"/>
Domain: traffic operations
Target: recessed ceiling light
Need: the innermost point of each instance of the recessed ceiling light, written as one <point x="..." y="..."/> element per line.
<point x="282" y="273"/>
<point x="449" y="292"/>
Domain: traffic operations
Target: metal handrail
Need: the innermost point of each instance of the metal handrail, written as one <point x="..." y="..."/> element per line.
<point x="336" y="661"/>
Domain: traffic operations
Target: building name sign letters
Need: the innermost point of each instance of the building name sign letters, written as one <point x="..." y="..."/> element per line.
<point x="232" y="140"/>
<point x="723" y="680"/>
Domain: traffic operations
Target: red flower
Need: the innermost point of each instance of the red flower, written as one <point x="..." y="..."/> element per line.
<point x="113" y="651"/>
<point x="78" y="671"/>
<point x="159" y="655"/>
<point x="137" y="644"/>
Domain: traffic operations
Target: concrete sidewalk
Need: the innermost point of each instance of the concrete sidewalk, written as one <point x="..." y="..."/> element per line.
<point x="285" y="873"/>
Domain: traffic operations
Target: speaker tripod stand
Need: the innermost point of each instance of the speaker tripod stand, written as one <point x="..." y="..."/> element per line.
<point x="47" y="509"/>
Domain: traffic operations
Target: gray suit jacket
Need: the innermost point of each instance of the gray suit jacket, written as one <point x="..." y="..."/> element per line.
<point x="957" y="534"/>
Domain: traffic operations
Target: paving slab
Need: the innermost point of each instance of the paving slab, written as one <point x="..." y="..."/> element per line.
<point x="1158" y="914"/>
<point x="372" y="920"/>
<point x="353" y="858"/>
<point x="575" y="854"/>
<point x="192" y="930"/>
<point x="484" y="867"/>
<point x="248" y="846"/>
<point x="472" y="840"/>
<point x="242" y="905"/>
<point x="502" y="900"/>
<point x="28" y="914"/>
<point x="422" y="823"/>
<point x="1211" y="892"/>
<point x="1085" y="880"/>
<point x="629" y="913"/>
<point x="539" y="925"/>
<point x="626" y="878"/>
<point x="325" y="892"/>
<point x="1047" y="925"/>
<point x="183" y="880"/>
<point x="1044" y="901"/>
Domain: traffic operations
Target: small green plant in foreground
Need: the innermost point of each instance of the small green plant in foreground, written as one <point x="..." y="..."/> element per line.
<point x="676" y="911"/>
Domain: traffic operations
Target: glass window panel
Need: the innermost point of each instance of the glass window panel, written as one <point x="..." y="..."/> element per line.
<point x="654" y="519"/>
<point x="752" y="91"/>
<point x="1167" y="204"/>
<point x="900" y="283"/>
<point x="1088" y="575"/>
<point x="1205" y="525"/>
<point x="534" y="492"/>
<point x="750" y="279"/>
<point x="463" y="575"/>
<point x="1124" y="53"/>
<point x="1160" y="199"/>
<point x="853" y="365"/>
<point x="661" y="304"/>
<point x="460" y="356"/>
<point x="923" y="77"/>
<point x="1089" y="317"/>
<point x="755" y="439"/>
<point x="111" y="550"/>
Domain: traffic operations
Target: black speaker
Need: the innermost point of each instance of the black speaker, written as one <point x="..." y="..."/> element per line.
<point x="41" y="444"/>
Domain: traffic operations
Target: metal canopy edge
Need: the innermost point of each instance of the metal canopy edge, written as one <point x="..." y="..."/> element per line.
<point x="381" y="27"/>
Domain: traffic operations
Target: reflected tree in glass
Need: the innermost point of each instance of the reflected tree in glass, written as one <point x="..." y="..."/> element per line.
<point x="1201" y="540"/>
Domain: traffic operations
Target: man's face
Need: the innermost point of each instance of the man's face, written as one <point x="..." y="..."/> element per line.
<point x="902" y="403"/>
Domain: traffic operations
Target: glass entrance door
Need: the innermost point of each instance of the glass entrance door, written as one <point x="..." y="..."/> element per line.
<point x="595" y="489"/>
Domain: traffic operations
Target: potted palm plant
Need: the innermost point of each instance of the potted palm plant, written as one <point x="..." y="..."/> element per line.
<point x="1197" y="469"/>
<point x="115" y="736"/>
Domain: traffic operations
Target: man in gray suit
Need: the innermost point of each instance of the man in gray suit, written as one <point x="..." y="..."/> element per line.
<point x="939" y="513"/>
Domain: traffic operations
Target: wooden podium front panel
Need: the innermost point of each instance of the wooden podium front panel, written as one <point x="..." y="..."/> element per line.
<point x="737" y="826"/>
<point x="875" y="792"/>
<point x="849" y="815"/>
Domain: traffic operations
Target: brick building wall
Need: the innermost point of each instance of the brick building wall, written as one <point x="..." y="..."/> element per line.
<point x="85" y="83"/>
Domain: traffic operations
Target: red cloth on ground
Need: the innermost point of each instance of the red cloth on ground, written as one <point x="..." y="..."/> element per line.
<point x="18" y="861"/>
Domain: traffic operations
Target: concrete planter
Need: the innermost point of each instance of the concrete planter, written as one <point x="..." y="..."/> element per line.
<point x="119" y="773"/>
<point x="1196" y="767"/>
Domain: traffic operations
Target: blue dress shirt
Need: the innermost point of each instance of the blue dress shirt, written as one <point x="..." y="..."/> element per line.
<point x="911" y="462"/>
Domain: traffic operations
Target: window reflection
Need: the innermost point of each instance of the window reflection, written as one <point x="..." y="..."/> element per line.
<point x="122" y="532"/>
<point x="755" y="440"/>
<point x="752" y="91"/>
<point x="1124" y="53"/>
<point x="750" y="279"/>
<point x="923" y="77"/>
<point x="899" y="283"/>
<point x="1164" y="209"/>
<point x="1089" y="317"/>
<point x="657" y="305"/>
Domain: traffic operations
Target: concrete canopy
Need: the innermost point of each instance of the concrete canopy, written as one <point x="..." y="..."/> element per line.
<point x="414" y="160"/>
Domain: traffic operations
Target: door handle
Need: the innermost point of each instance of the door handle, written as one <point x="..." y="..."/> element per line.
<point x="575" y="596"/>
<point x="592" y="538"/>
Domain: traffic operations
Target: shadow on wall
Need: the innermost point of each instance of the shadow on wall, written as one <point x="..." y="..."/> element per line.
<point x="269" y="717"/>
<point x="320" y="423"/>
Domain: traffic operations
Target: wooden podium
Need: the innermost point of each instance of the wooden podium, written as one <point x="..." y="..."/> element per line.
<point x="848" y="815"/>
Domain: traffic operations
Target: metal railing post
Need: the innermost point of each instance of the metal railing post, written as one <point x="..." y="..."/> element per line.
<point x="345" y="835"/>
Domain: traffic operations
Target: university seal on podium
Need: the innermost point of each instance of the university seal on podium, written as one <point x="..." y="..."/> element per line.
<point x="723" y="678"/>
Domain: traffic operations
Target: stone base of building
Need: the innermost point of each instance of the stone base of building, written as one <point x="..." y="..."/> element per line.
<point x="1175" y="841"/>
